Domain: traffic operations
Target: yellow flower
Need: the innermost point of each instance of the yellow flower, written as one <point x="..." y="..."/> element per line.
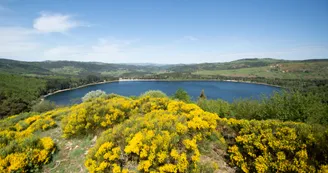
<point x="47" y="143"/>
<point x="182" y="129"/>
<point x="144" y="165"/>
<point x="16" y="161"/>
<point x="134" y="144"/>
<point x="167" y="168"/>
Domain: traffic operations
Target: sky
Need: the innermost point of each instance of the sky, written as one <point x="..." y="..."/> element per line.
<point x="163" y="31"/>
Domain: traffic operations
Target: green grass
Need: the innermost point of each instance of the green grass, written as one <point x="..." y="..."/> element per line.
<point x="70" y="155"/>
<point x="70" y="70"/>
<point x="114" y="73"/>
<point x="301" y="70"/>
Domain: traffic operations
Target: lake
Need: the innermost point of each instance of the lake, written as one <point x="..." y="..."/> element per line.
<point x="213" y="90"/>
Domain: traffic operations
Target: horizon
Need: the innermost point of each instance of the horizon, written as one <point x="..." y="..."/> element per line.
<point x="163" y="32"/>
<point x="162" y="64"/>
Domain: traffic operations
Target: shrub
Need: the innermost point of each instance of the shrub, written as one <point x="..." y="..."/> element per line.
<point x="25" y="154"/>
<point x="163" y="140"/>
<point x="182" y="95"/>
<point x="285" y="106"/>
<point x="93" y="94"/>
<point x="247" y="109"/>
<point x="43" y="106"/>
<point x="202" y="95"/>
<point x="220" y="107"/>
<point x="275" y="146"/>
<point x="20" y="149"/>
<point x="101" y="113"/>
<point x="154" y="94"/>
<point x="12" y="120"/>
<point x="295" y="106"/>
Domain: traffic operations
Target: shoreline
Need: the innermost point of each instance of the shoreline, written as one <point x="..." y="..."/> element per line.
<point x="215" y="80"/>
<point x="145" y="80"/>
<point x="82" y="86"/>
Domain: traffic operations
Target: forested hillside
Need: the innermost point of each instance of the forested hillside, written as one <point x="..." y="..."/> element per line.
<point x="268" y="68"/>
<point x="71" y="68"/>
<point x="57" y="75"/>
<point x="19" y="93"/>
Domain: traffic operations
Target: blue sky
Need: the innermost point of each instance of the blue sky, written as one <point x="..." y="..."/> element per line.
<point x="163" y="31"/>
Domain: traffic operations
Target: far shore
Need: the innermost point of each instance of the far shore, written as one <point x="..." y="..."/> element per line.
<point x="82" y="86"/>
<point x="168" y="80"/>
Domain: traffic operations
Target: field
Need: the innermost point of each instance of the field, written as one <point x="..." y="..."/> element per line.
<point x="313" y="70"/>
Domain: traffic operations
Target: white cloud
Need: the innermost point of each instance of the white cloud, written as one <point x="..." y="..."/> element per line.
<point x="64" y="53"/>
<point x="26" y="44"/>
<point x="121" y="51"/>
<point x="17" y="42"/>
<point x="55" y="22"/>
<point x="103" y="50"/>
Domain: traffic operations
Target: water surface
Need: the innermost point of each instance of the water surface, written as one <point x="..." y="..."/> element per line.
<point x="213" y="90"/>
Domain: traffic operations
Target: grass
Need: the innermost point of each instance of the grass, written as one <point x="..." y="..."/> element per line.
<point x="70" y="155"/>
<point x="300" y="70"/>
<point x="115" y="73"/>
<point x="67" y="70"/>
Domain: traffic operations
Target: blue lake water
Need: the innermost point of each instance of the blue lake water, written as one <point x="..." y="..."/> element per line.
<point x="213" y="90"/>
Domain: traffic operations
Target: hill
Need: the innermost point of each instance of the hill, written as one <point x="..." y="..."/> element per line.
<point x="50" y="76"/>
<point x="147" y="134"/>
<point x="267" y="67"/>
<point x="70" y="68"/>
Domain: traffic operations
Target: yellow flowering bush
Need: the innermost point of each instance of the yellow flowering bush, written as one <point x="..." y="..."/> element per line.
<point x="274" y="146"/>
<point x="103" y="113"/>
<point x="26" y="153"/>
<point x="20" y="149"/>
<point x="161" y="136"/>
<point x="157" y="134"/>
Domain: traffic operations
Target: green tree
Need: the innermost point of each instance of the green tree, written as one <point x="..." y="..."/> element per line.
<point x="93" y="94"/>
<point x="220" y="107"/>
<point x="43" y="106"/>
<point x="182" y="95"/>
<point x="202" y="95"/>
<point x="154" y="93"/>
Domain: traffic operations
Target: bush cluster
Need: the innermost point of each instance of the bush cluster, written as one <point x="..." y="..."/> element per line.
<point x="152" y="133"/>
<point x="20" y="149"/>
<point x="164" y="139"/>
<point x="275" y="146"/>
<point x="93" y="95"/>
<point x="102" y="113"/>
<point x="285" y="106"/>
<point x="154" y="94"/>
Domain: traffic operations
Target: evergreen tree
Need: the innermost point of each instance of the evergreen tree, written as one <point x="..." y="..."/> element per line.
<point x="202" y="95"/>
<point x="182" y="95"/>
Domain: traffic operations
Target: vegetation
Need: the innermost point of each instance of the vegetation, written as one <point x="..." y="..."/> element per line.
<point x="219" y="107"/>
<point x="152" y="134"/>
<point x="156" y="133"/>
<point x="182" y="95"/>
<point x="154" y="94"/>
<point x="49" y="76"/>
<point x="93" y="94"/>
<point x="275" y="146"/>
<point x="164" y="139"/>
<point x="43" y="106"/>
<point x="284" y="106"/>
<point x="202" y="95"/>
<point x="17" y="93"/>
<point x="21" y="149"/>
